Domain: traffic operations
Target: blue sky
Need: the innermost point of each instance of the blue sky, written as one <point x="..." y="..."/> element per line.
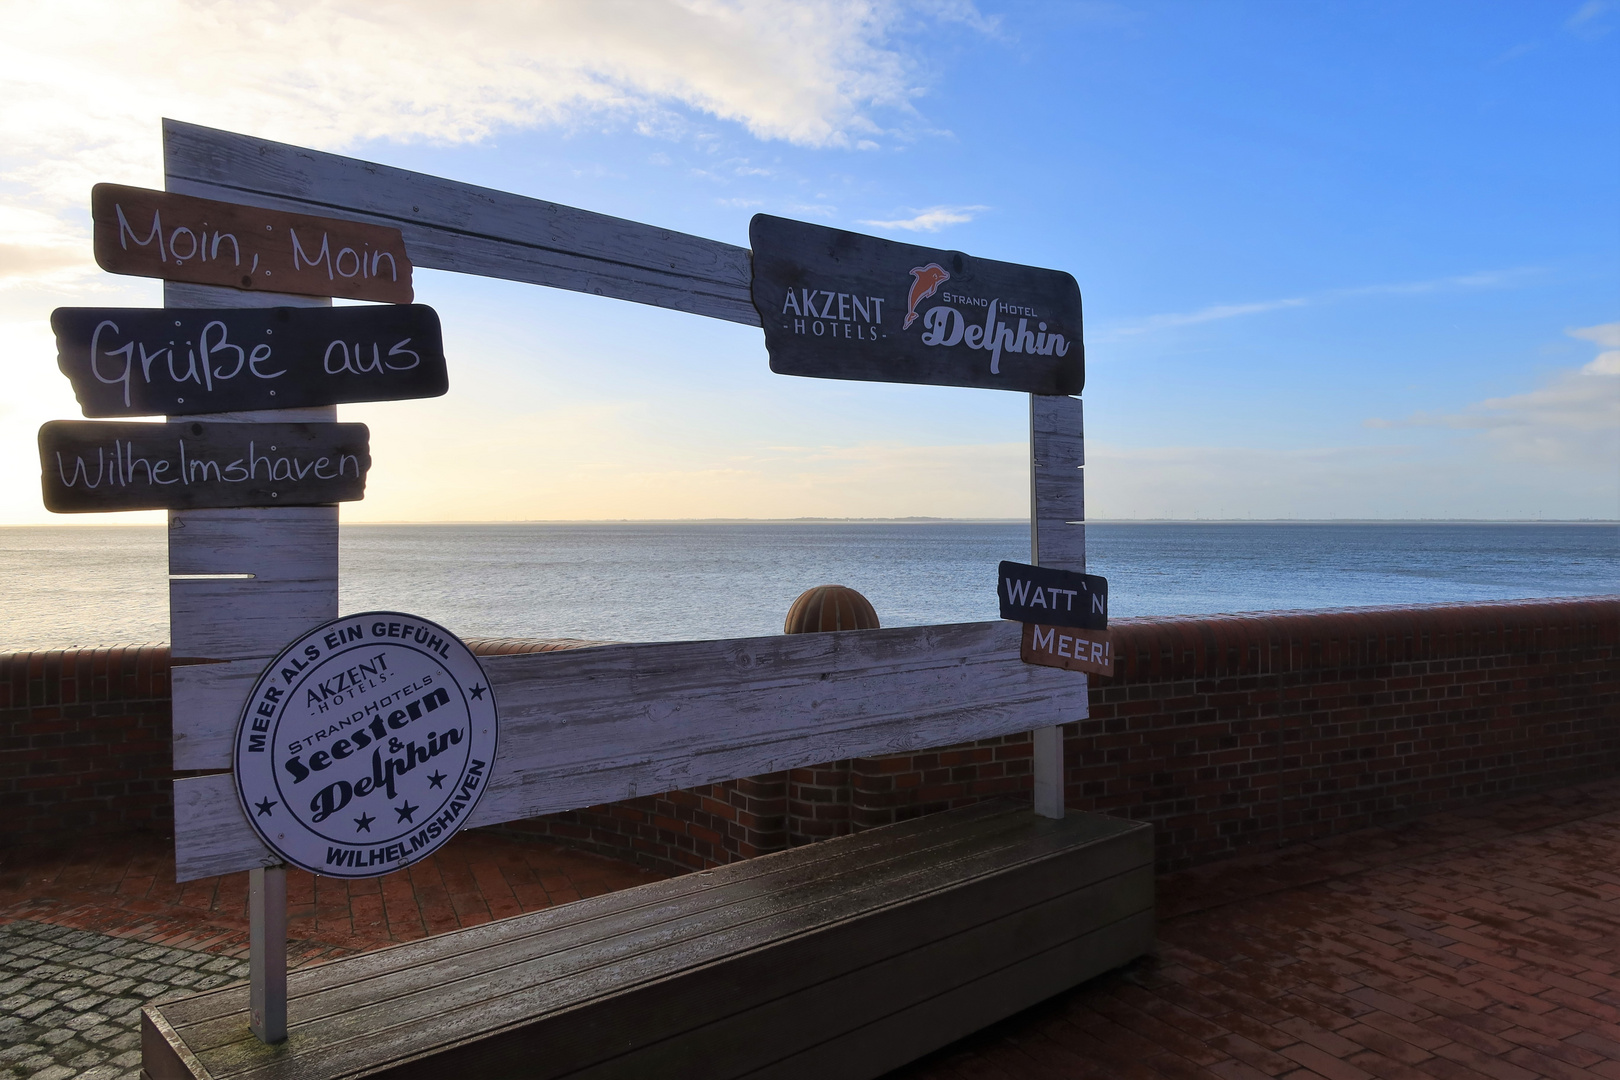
<point x="1354" y="260"/>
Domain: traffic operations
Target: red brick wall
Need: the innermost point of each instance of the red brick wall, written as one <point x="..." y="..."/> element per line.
<point x="1381" y="713"/>
<point x="84" y="742"/>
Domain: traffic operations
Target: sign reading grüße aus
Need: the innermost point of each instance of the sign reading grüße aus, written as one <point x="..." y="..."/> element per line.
<point x="89" y="466"/>
<point x="180" y="361"/>
<point x="1039" y="594"/>
<point x="842" y="305"/>
<point x="183" y="238"/>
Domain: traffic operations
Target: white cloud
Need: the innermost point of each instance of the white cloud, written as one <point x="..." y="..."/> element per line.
<point x="1485" y="279"/>
<point x="932" y="219"/>
<point x="83" y="83"/>
<point x="1572" y="420"/>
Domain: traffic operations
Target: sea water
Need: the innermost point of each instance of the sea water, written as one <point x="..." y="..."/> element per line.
<point x="66" y="586"/>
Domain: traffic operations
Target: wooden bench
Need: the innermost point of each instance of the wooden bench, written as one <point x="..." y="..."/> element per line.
<point x="845" y="958"/>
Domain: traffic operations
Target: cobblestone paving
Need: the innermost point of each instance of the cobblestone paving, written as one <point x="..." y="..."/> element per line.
<point x="70" y="1000"/>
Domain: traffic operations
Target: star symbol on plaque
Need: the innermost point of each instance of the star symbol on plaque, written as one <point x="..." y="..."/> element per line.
<point x="406" y="811"/>
<point x="363" y="823"/>
<point x="437" y="779"/>
<point x="264" y="806"/>
<point x="478" y="691"/>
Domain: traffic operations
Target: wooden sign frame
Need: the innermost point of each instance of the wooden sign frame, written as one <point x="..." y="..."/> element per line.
<point x="854" y="693"/>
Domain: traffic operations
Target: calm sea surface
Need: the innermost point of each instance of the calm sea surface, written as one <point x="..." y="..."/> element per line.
<point x="62" y="586"/>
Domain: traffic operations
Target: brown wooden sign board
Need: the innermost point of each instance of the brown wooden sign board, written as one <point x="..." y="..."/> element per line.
<point x="182" y="361"/>
<point x="182" y="238"/>
<point x="89" y="466"/>
<point x="1067" y="648"/>
<point x="842" y="305"/>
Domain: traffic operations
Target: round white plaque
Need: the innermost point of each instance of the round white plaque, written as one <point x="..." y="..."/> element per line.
<point x="365" y="745"/>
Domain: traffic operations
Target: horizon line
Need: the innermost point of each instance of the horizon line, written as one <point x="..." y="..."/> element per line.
<point x="913" y="519"/>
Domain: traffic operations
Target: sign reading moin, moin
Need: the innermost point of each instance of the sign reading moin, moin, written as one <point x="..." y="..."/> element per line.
<point x="365" y="745"/>
<point x="184" y="238"/>
<point x="842" y="305"/>
<point x="182" y="361"/>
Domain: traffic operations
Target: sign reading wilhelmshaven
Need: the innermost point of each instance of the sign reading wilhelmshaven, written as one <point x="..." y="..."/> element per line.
<point x="90" y="466"/>
<point x="1041" y="594"/>
<point x="181" y="361"/>
<point x="841" y="305"/>
<point x="365" y="745"/>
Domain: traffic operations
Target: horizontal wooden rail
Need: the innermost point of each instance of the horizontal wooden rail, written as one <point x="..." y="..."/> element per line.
<point x="598" y="725"/>
<point x="466" y="228"/>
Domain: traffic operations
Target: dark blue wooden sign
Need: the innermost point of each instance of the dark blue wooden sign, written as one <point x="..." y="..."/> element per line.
<point x="182" y="361"/>
<point x="841" y="305"/>
<point x="1040" y="594"/>
<point x="89" y="466"/>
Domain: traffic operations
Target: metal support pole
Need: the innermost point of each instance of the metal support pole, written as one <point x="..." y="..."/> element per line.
<point x="267" y="952"/>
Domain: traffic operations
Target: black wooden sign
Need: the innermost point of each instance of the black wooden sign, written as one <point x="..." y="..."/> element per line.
<point x="1040" y="594"/>
<point x="840" y="305"/>
<point x="90" y="466"/>
<point x="184" y="238"/>
<point x="180" y="361"/>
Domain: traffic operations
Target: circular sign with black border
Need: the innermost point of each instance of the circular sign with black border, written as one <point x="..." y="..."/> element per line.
<point x="365" y="744"/>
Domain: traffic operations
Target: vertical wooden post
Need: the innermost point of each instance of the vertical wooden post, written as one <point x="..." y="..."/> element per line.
<point x="1057" y="538"/>
<point x="267" y="952"/>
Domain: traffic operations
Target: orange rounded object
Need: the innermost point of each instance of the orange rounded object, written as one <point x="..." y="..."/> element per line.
<point x="830" y="607"/>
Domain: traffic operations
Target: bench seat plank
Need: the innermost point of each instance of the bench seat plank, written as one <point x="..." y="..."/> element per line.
<point x="739" y="971"/>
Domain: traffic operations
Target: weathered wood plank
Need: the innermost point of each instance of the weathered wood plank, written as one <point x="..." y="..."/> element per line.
<point x="210" y="834"/>
<point x="1057" y="426"/>
<point x="91" y="466"/>
<point x="935" y="961"/>
<point x="843" y="305"/>
<point x="581" y="958"/>
<point x="469" y="229"/>
<point x="205" y="695"/>
<point x="211" y="360"/>
<point x="550" y="931"/>
<point x="205" y="242"/>
<point x="878" y="1048"/>
<point x="239" y="620"/>
<point x="291" y="544"/>
<point x="604" y="724"/>
<point x="875" y="939"/>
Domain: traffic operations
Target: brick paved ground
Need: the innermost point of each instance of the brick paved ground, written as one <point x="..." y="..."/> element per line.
<point x="1477" y="944"/>
<point x="70" y="1000"/>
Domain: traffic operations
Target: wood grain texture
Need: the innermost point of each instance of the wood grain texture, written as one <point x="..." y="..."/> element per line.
<point x="212" y="360"/>
<point x="1057" y="483"/>
<point x="236" y="620"/>
<point x="600" y="725"/>
<point x="201" y="241"/>
<point x="205" y="697"/>
<point x="749" y="969"/>
<point x="210" y="834"/>
<point x="844" y="305"/>
<point x="469" y="229"/>
<point x="89" y="466"/>
<point x="293" y="554"/>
